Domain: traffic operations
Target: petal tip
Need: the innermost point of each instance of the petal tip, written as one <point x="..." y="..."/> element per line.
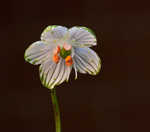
<point x="76" y="78"/>
<point x="99" y="68"/>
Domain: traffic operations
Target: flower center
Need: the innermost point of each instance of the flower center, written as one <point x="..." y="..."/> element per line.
<point x="64" y="52"/>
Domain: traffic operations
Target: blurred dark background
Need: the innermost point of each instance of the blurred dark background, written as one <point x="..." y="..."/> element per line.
<point x="116" y="100"/>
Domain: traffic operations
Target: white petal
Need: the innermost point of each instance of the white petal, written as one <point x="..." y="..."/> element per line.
<point x="46" y="70"/>
<point x="68" y="68"/>
<point x="78" y="66"/>
<point x="87" y="61"/>
<point x="65" y="74"/>
<point x="38" y="52"/>
<point x="75" y="69"/>
<point x="53" y="74"/>
<point x="82" y="37"/>
<point x="84" y="65"/>
<point x="60" y="76"/>
<point x="53" y="33"/>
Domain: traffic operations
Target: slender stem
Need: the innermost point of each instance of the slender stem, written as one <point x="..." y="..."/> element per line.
<point x="56" y="110"/>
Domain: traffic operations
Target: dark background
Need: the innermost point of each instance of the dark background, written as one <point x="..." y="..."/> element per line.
<point x="116" y="100"/>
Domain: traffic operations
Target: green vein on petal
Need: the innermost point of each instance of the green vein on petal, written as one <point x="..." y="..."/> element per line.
<point x="41" y="75"/>
<point x="99" y="67"/>
<point x="49" y="28"/>
<point x="28" y="59"/>
<point x="88" y="29"/>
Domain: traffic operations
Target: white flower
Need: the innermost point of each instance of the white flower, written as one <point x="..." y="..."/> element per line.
<point x="61" y="49"/>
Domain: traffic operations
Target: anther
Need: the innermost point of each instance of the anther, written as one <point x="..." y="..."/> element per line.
<point x="56" y="58"/>
<point x="68" y="60"/>
<point x="56" y="50"/>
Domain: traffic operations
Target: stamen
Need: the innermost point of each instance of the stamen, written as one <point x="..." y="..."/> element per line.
<point x="68" y="60"/>
<point x="67" y="47"/>
<point x="56" y="58"/>
<point x="56" y="50"/>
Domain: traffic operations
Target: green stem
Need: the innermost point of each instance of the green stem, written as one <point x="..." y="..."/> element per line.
<point x="56" y="110"/>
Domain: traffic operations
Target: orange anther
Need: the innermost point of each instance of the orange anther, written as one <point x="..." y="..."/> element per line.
<point x="56" y="58"/>
<point x="68" y="60"/>
<point x="56" y="50"/>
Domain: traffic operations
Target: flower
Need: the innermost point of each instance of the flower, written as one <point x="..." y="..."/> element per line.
<point x="61" y="49"/>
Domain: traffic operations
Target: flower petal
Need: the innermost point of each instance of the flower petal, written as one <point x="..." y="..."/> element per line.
<point x="61" y="74"/>
<point x="82" y="37"/>
<point x="37" y="52"/>
<point x="87" y="61"/>
<point x="68" y="69"/>
<point x="46" y="70"/>
<point x="53" y="33"/>
<point x="53" y="74"/>
<point x="75" y="68"/>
